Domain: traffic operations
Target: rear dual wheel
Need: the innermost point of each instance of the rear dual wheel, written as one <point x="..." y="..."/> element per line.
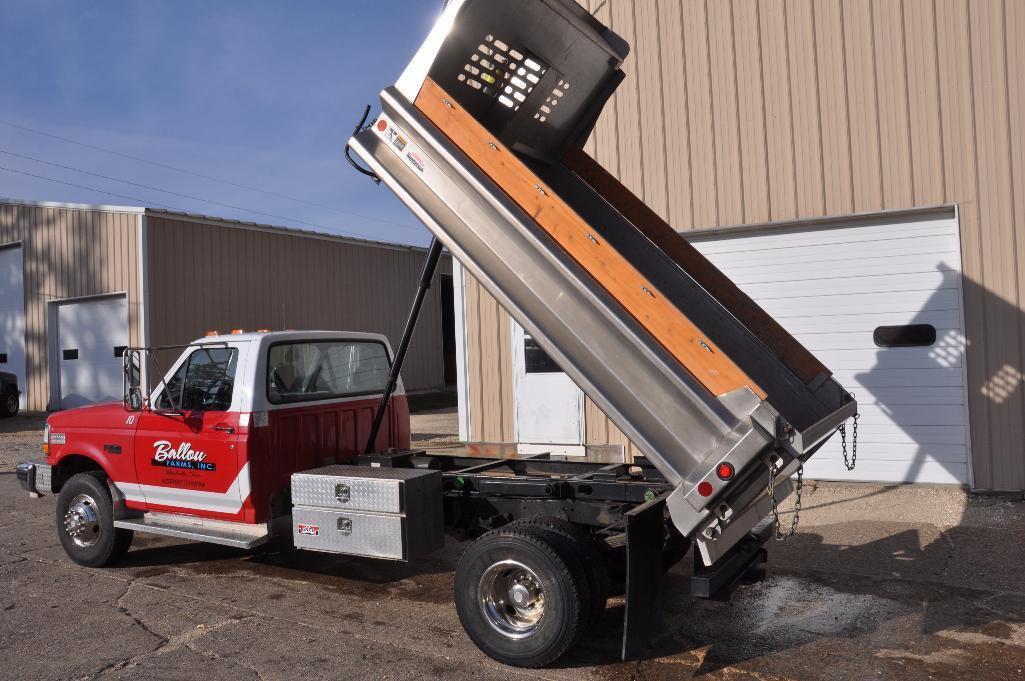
<point x="526" y="592"/>
<point x="522" y="596"/>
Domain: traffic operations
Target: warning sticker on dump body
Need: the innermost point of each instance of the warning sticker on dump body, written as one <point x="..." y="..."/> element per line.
<point x="400" y="144"/>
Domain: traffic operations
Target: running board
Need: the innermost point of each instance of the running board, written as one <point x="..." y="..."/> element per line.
<point x="238" y="535"/>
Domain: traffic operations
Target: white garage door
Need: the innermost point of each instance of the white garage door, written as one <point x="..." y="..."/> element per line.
<point x="834" y="288"/>
<point x="12" y="316"/>
<point x="91" y="338"/>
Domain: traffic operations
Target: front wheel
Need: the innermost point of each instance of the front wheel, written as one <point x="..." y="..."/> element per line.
<point x="85" y="522"/>
<point x="9" y="403"/>
<point x="520" y="598"/>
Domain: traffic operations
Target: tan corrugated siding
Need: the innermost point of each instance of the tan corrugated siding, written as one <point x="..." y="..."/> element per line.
<point x="206" y="275"/>
<point x="68" y="253"/>
<point x="489" y="366"/>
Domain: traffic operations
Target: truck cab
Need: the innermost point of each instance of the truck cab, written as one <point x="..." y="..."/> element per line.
<point x="220" y="435"/>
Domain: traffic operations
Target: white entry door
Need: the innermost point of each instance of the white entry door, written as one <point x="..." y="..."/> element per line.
<point x="549" y="406"/>
<point x="12" y="316"/>
<point x="91" y="338"/>
<point x="880" y="304"/>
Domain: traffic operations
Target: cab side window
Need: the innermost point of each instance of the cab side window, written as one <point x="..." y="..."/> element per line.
<point x="324" y="370"/>
<point x="205" y="382"/>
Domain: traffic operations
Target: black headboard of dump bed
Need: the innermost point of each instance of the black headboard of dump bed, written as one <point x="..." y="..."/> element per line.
<point x="535" y="73"/>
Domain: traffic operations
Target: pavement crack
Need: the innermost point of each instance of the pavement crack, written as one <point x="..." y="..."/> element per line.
<point x="951" y="552"/>
<point x="210" y="655"/>
<point x="124" y="662"/>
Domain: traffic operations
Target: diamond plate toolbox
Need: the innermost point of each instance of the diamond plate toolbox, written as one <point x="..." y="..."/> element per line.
<point x="391" y="513"/>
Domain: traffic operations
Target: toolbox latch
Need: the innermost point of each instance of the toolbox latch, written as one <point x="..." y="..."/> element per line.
<point x="342" y="493"/>
<point x="345" y="526"/>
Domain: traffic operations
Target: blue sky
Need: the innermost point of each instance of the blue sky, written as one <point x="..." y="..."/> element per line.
<point x="258" y="92"/>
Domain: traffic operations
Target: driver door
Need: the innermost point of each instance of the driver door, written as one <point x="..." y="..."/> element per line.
<point x="186" y="453"/>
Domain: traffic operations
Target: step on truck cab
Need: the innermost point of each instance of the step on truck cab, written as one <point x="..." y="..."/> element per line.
<point x="482" y="137"/>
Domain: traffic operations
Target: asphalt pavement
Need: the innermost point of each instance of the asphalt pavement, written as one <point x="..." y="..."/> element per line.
<point x="880" y="583"/>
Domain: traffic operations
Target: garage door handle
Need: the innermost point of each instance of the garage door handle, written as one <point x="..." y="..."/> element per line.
<point x="224" y="429"/>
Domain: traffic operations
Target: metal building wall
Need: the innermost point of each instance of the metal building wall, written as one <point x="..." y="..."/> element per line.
<point x="488" y="365"/>
<point x="749" y="111"/>
<point x="69" y="253"/>
<point x="205" y="274"/>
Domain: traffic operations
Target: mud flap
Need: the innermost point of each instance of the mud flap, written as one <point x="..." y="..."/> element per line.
<point x="645" y="537"/>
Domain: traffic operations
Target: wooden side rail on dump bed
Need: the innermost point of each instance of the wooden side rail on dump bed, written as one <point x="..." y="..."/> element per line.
<point x="671" y="327"/>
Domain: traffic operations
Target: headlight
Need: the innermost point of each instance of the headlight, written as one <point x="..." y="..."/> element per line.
<point x="46" y="438"/>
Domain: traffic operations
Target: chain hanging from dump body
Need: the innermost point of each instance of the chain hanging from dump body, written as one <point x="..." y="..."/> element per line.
<point x="798" y="488"/>
<point x="849" y="465"/>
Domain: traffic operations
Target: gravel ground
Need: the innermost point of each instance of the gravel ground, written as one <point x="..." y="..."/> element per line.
<point x="21" y="438"/>
<point x="879" y="582"/>
<point x="436" y="429"/>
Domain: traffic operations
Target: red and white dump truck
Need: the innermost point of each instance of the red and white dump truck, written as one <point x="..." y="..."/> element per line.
<point x="305" y="435"/>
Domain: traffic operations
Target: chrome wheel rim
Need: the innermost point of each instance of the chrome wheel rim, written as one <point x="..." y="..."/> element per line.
<point x="82" y="521"/>
<point x="512" y="599"/>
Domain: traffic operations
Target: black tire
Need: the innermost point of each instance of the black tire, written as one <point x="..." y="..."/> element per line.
<point x="85" y="522"/>
<point x="9" y="403"/>
<point x="585" y="550"/>
<point x="499" y="558"/>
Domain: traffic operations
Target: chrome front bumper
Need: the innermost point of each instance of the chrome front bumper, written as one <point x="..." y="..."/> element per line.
<point x="35" y="477"/>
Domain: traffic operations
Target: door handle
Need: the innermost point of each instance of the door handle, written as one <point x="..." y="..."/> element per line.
<point x="220" y="427"/>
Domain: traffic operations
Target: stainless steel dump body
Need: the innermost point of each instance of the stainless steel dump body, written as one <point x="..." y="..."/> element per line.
<point x="682" y="427"/>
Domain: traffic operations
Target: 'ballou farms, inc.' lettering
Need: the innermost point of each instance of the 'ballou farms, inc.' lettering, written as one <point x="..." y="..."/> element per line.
<point x="183" y="457"/>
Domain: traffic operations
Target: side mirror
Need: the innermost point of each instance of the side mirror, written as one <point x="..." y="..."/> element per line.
<point x="133" y="400"/>
<point x="132" y="380"/>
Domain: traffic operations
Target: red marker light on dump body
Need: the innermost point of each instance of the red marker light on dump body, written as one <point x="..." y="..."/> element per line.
<point x="705" y="489"/>
<point x="725" y="471"/>
<point x="382" y="125"/>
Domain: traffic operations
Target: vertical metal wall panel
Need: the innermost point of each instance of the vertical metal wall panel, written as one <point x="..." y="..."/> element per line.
<point x="862" y="101"/>
<point x="1000" y="267"/>
<point x="779" y="121"/>
<point x="489" y="366"/>
<point x="725" y="114"/>
<point x="922" y="56"/>
<point x="651" y="127"/>
<point x="606" y="132"/>
<point x="1015" y="31"/>
<point x="69" y="252"/>
<point x="957" y="122"/>
<point x="633" y="162"/>
<point x="804" y="96"/>
<point x="891" y="81"/>
<point x="206" y="275"/>
<point x="674" y="100"/>
<point x="704" y="191"/>
<point x="751" y="113"/>
<point x="832" y="80"/>
<point x="864" y="105"/>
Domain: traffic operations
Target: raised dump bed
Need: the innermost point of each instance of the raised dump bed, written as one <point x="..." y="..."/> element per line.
<point x="482" y="139"/>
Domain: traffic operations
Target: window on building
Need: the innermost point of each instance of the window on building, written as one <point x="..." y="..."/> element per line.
<point x="906" y="336"/>
<point x="324" y="370"/>
<point x="204" y="382"/>
<point x="536" y="360"/>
